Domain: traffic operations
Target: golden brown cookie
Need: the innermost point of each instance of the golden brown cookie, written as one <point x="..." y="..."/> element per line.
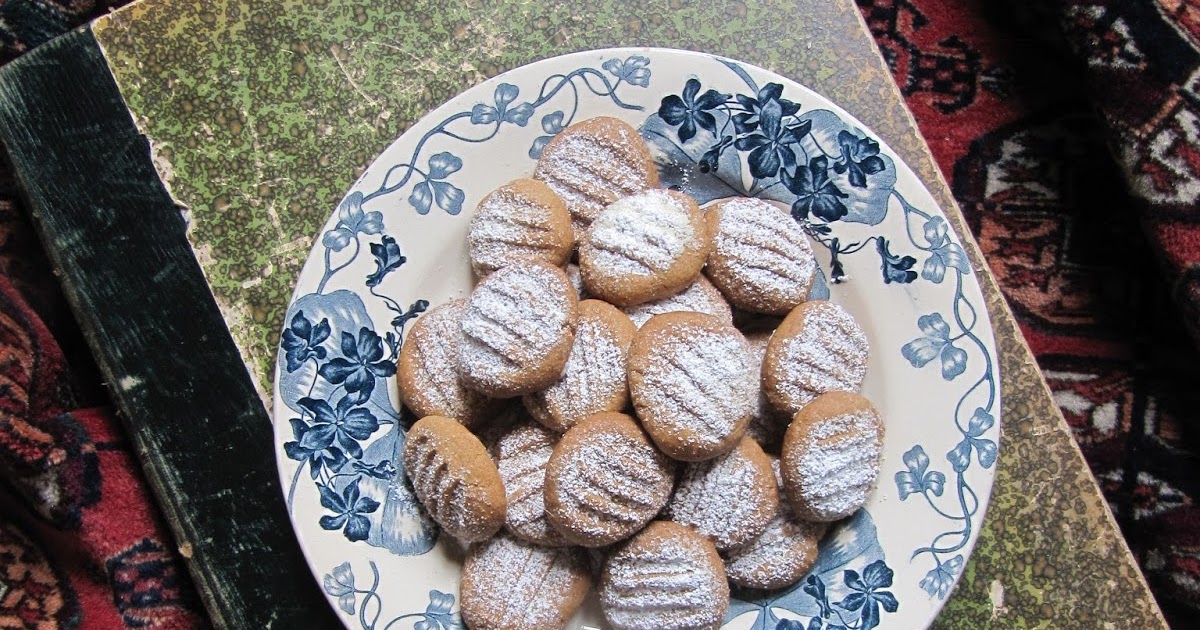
<point x="645" y="247"/>
<point x="454" y="478"/>
<point x="783" y="554"/>
<point x="831" y="456"/>
<point x="761" y="259"/>
<point x="605" y="480"/>
<point x="521" y="221"/>
<point x="667" y="577"/>
<point x="699" y="297"/>
<point x="728" y="499"/>
<point x="427" y="372"/>
<point x="766" y="425"/>
<point x="594" y="378"/>
<point x="508" y="584"/>
<point x="818" y="348"/>
<point x="522" y="454"/>
<point x="694" y="384"/>
<point x="517" y="330"/>
<point x="594" y="163"/>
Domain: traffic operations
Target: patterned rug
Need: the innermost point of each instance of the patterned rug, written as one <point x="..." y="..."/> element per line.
<point x="1071" y="138"/>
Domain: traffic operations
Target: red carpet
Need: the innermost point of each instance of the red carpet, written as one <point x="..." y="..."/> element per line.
<point x="1071" y="137"/>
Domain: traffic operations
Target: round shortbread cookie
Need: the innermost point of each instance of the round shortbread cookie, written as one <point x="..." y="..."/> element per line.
<point x="668" y="577"/>
<point x="454" y="478"/>
<point x="517" y="330"/>
<point x="694" y="384"/>
<point x="508" y="584"/>
<point x="594" y="377"/>
<point x="784" y="553"/>
<point x="593" y="163"/>
<point x="521" y="221"/>
<point x="645" y="247"/>
<point x="522" y="454"/>
<point x="761" y="259"/>
<point x="818" y="348"/>
<point x="699" y="297"/>
<point x="427" y="372"/>
<point x="605" y="480"/>
<point x="831" y="456"/>
<point x="729" y="499"/>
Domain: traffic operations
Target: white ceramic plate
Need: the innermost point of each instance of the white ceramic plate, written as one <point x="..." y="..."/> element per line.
<point x="396" y="244"/>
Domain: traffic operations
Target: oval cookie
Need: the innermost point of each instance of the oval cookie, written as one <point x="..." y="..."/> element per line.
<point x="818" y="348"/>
<point x="831" y="456"/>
<point x="761" y="259"/>
<point x="645" y="247"/>
<point x="729" y="499"/>
<point x="521" y="221"/>
<point x="605" y="480"/>
<point x="508" y="584"/>
<point x="693" y="383"/>
<point x="594" y="377"/>
<point x="517" y="330"/>
<point x="454" y="478"/>
<point x="593" y="163"/>
<point x="427" y="372"/>
<point x="668" y="576"/>
<point x="522" y="454"/>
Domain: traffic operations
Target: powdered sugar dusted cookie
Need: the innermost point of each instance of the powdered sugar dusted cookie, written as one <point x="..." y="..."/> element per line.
<point x="818" y="348"/>
<point x="761" y="259"/>
<point x="521" y="221"/>
<point x="667" y="577"/>
<point x="694" y="384"/>
<point x="522" y="455"/>
<point x="699" y="297"/>
<point x="831" y="456"/>
<point x="728" y="499"/>
<point x="783" y="554"/>
<point x="517" y="330"/>
<point x="454" y="478"/>
<point x="594" y="163"/>
<point x="605" y="480"/>
<point x="427" y="372"/>
<point x="644" y="247"/>
<point x="508" y="584"/>
<point x="594" y="378"/>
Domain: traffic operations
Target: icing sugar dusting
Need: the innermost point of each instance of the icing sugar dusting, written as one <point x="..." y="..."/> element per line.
<point x="515" y="317"/>
<point x="828" y="353"/>
<point x="764" y="249"/>
<point x="435" y="353"/>
<point x="641" y="235"/>
<point x="701" y="380"/>
<point x="589" y="172"/>
<point x="612" y="482"/>
<point x="667" y="582"/>
<point x="523" y="453"/>
<point x="723" y="499"/>
<point x="519" y="585"/>
<point x="593" y="380"/>
<point x="700" y="297"/>
<point x="836" y="466"/>
<point x="508" y="228"/>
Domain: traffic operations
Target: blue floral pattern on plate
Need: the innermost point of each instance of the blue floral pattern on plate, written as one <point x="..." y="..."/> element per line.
<point x="743" y="138"/>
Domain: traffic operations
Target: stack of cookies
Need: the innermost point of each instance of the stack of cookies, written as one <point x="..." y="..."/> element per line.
<point x="658" y="451"/>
